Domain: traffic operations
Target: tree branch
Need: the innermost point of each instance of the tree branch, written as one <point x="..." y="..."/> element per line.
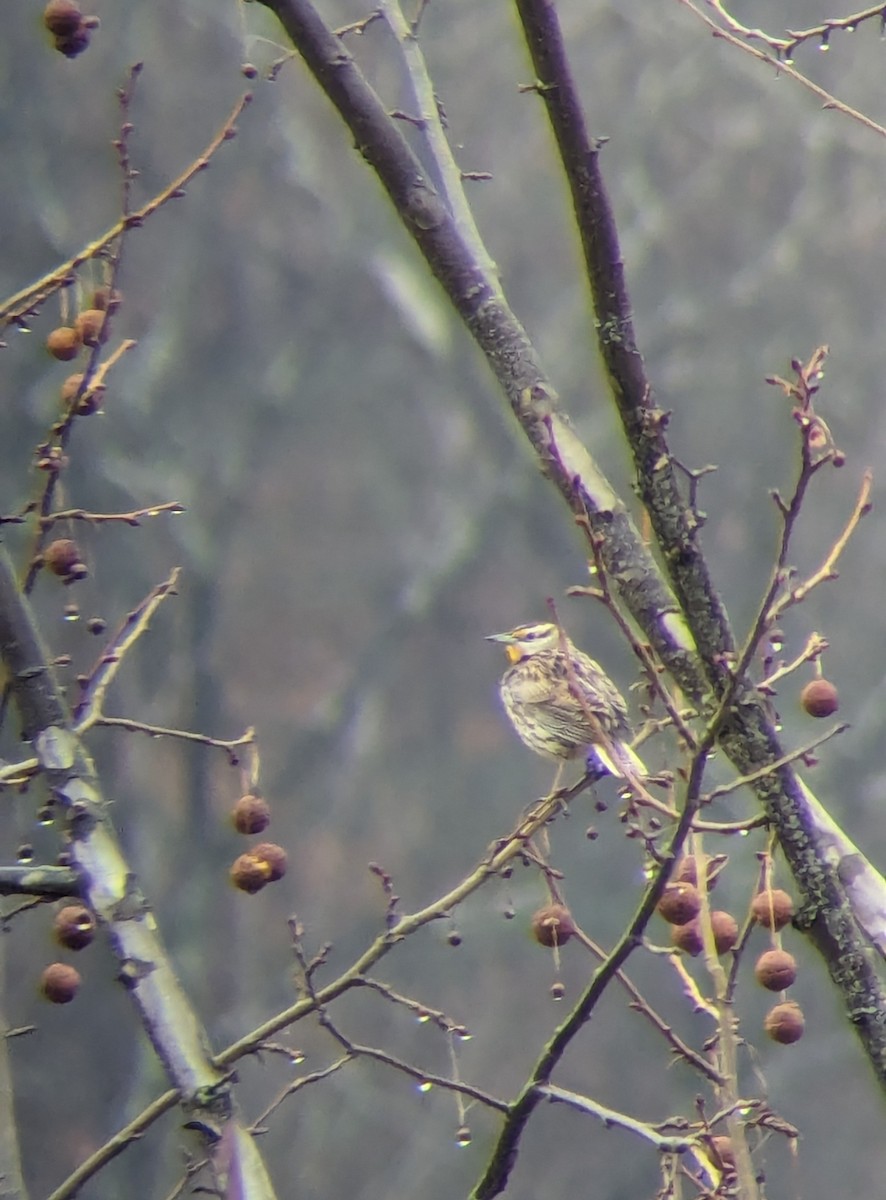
<point x="109" y="884"/>
<point x="746" y="735"/>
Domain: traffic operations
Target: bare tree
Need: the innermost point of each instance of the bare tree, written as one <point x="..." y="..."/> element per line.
<point x="706" y="697"/>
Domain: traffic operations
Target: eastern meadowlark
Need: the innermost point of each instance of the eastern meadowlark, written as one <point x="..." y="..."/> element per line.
<point x="563" y="704"/>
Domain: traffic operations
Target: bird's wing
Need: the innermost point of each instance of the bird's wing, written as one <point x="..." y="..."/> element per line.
<point x="585" y="700"/>
<point x="567" y="696"/>
<point x="573" y="723"/>
<point x="531" y="687"/>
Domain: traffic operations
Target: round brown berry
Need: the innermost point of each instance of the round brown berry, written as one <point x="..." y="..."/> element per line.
<point x="71" y="387"/>
<point x="73" y="43"/>
<point x="686" y="871"/>
<point x="62" y="557"/>
<point x="776" y="970"/>
<point x="680" y="902"/>
<point x="725" y="931"/>
<point x="74" y="926"/>
<point x="688" y="937"/>
<point x="63" y="343"/>
<point x="819" y="698"/>
<point x="772" y="910"/>
<point x="251" y="814"/>
<point x="552" y="925"/>
<point x="90" y="325"/>
<point x="275" y="857"/>
<point x="250" y="874"/>
<point x="91" y="400"/>
<point x="59" y="983"/>
<point x="103" y="298"/>
<point x="785" y="1023"/>
<point x="724" y="1152"/>
<point x="62" y="17"/>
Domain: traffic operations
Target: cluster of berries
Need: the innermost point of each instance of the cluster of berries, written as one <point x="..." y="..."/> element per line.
<point x="68" y="26"/>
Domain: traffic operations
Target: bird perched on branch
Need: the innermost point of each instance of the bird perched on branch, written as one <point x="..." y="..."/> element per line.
<point x="562" y="703"/>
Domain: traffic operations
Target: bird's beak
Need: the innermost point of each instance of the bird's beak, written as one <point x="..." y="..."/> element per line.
<point x="507" y="638"/>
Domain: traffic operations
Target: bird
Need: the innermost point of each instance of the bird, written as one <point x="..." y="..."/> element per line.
<point x="562" y="703"/>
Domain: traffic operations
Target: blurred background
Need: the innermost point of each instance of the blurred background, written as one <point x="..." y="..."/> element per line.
<point x="361" y="512"/>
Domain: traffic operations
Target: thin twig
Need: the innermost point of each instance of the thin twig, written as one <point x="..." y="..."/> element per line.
<point x="131" y="629"/>
<point x="499" y="857"/>
<point x="95" y="518"/>
<point x="115" y="1145"/>
<point x="814" y="647"/>
<point x="827" y="570"/>
<point x="784" y="47"/>
<point x="727" y="789"/>
<point x="35" y="293"/>
<point x="640" y="649"/>
<point x="784" y="68"/>
<point x="449" y="176"/>
<point x="641" y="1005"/>
<point x="202" y="739"/>
<point x="663" y="1142"/>
<point x="297" y="1085"/>
<point x="727" y="1040"/>
<point x="421" y="1011"/>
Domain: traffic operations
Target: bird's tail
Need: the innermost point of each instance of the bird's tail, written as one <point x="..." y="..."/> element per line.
<point x="619" y="759"/>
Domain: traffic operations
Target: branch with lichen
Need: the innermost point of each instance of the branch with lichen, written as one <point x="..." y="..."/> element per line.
<point x="747" y="734"/>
